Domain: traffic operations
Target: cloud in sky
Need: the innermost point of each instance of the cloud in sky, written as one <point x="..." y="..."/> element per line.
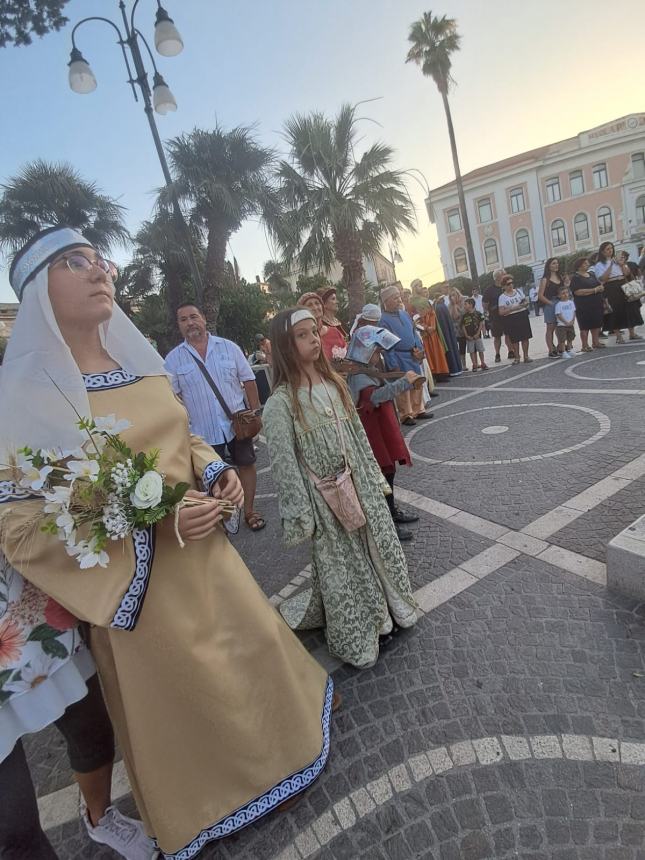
<point x="527" y="74"/>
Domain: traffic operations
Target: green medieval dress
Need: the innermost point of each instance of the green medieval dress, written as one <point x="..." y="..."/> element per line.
<point x="359" y="579"/>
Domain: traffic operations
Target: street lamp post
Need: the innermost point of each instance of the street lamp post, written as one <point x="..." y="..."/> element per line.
<point x="395" y="258"/>
<point x="168" y="43"/>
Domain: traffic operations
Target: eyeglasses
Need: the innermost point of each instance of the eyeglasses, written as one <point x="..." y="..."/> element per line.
<point x="79" y="264"/>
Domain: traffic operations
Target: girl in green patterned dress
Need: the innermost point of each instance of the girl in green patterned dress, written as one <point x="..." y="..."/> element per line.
<point x="359" y="582"/>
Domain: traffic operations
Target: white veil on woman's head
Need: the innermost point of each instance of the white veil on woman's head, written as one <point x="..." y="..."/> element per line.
<point x="38" y="362"/>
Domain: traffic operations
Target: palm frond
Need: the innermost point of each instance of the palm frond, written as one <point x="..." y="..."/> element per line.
<point x="333" y="203"/>
<point x="45" y="194"/>
<point x="433" y="41"/>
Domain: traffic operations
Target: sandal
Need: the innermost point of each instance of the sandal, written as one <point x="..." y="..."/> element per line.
<point x="254" y="521"/>
<point x="528" y="360"/>
<point x="620" y="338"/>
<point x="586" y="349"/>
<point x="600" y="346"/>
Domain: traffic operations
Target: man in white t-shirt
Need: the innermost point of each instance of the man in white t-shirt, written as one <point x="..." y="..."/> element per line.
<point x="565" y="314"/>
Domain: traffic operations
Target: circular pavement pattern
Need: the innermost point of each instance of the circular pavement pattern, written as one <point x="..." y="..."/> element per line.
<point x="604" y="426"/>
<point x="574" y="371"/>
<point x="494" y="429"/>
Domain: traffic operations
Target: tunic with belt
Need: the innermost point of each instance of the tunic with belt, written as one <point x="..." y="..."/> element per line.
<point x="400" y="357"/>
<point x="220" y="712"/>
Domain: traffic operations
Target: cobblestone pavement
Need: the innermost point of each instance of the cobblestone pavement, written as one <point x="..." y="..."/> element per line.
<point x="509" y="723"/>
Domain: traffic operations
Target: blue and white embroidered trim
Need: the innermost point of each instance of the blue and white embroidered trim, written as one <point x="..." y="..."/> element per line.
<point x="268" y="801"/>
<point x="110" y="379"/>
<point x="11" y="492"/>
<point x="212" y="473"/>
<point x="127" y="615"/>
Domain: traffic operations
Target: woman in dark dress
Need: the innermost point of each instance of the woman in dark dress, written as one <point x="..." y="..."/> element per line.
<point x="612" y="275"/>
<point x="588" y="295"/>
<point x="633" y="305"/>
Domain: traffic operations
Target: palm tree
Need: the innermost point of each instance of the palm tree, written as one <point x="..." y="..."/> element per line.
<point x="433" y="41"/>
<point x="334" y="205"/>
<point x="221" y="178"/>
<point x="160" y="247"/>
<point x="275" y="274"/>
<point x="45" y="194"/>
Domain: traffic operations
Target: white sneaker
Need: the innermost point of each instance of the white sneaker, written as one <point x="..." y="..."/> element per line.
<point x="124" y="835"/>
<point x="566" y="354"/>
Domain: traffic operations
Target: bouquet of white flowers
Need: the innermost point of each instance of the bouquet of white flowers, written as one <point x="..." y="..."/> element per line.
<point x="100" y="491"/>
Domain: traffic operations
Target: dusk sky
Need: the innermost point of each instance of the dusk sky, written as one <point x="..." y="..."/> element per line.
<point x="527" y="74"/>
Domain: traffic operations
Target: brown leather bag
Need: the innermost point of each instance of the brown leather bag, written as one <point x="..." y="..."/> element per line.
<point x="246" y="423"/>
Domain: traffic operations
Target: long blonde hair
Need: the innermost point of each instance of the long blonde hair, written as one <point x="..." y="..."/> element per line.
<point x="287" y="369"/>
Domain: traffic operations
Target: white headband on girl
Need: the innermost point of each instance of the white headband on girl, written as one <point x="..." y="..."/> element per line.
<point x="298" y="316"/>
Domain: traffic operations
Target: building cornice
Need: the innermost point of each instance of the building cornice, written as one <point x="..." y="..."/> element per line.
<point x="618" y="131"/>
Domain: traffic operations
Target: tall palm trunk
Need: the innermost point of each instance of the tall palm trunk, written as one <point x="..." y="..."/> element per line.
<point x="349" y="253"/>
<point x="472" y="264"/>
<point x="215" y="275"/>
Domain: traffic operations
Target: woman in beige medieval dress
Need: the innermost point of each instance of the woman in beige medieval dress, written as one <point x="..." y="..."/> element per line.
<point x="220" y="713"/>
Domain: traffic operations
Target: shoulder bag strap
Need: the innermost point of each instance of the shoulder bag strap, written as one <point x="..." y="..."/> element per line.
<point x="200" y="364"/>
<point x="339" y="426"/>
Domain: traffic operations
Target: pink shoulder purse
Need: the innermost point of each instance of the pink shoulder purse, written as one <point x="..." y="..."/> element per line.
<point x="339" y="491"/>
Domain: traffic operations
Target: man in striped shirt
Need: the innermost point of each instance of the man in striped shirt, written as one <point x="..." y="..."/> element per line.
<point x="232" y="374"/>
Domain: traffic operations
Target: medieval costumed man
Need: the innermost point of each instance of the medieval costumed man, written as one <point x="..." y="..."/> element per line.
<point x="406" y="355"/>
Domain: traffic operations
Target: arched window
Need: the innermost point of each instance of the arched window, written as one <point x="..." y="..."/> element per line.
<point x="461" y="263"/>
<point x="490" y="252"/>
<point x="605" y="221"/>
<point x="522" y="243"/>
<point x="558" y="233"/>
<point x="640" y="209"/>
<point x="581" y="227"/>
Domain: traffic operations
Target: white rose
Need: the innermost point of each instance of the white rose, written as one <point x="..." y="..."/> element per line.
<point x="148" y="491"/>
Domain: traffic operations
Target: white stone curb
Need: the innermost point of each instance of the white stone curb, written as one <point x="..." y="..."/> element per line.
<point x="439" y="760"/>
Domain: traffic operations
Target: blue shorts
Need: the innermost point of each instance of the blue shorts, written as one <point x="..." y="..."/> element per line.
<point x="549" y="314"/>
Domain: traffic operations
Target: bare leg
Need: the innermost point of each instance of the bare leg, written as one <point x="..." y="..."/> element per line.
<point x="525" y="349"/>
<point x="96" y="788"/>
<point x="497" y="342"/>
<point x="595" y="336"/>
<point x="584" y="338"/>
<point x="509" y="345"/>
<point x="550" y="328"/>
<point x="248" y="479"/>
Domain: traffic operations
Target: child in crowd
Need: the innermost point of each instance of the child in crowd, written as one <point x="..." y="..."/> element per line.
<point x="359" y="581"/>
<point x="472" y="324"/>
<point x="565" y="313"/>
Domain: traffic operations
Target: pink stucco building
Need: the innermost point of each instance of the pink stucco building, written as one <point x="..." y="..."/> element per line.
<point x="553" y="200"/>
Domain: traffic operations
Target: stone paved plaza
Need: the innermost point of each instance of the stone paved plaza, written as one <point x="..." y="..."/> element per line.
<point x="510" y="723"/>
